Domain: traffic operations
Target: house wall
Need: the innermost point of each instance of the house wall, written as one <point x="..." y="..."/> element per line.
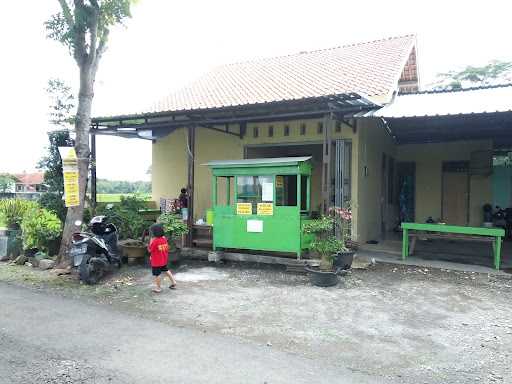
<point x="170" y="158"/>
<point x="429" y="159"/>
<point x="372" y="143"/>
<point x="170" y="164"/>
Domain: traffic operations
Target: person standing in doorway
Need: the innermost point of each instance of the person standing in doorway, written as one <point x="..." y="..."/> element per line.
<point x="183" y="199"/>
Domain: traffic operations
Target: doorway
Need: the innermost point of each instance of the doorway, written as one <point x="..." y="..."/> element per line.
<point x="455" y="193"/>
<point x="406" y="191"/>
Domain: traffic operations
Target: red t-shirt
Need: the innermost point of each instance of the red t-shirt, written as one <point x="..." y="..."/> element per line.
<point x="159" y="248"/>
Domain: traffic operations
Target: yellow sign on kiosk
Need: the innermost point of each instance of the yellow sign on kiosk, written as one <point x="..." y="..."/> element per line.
<point x="265" y="209"/>
<point x="244" y="208"/>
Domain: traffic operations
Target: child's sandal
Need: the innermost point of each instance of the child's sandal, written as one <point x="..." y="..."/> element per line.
<point x="156" y="290"/>
<point x="172" y="286"/>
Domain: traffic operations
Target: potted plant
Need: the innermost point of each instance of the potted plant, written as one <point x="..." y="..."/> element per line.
<point x="130" y="224"/>
<point x="12" y="212"/>
<point x="174" y="228"/>
<point x="343" y="227"/>
<point x="325" y="245"/>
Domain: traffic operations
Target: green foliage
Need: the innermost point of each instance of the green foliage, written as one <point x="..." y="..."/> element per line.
<point x="326" y="245"/>
<point x="78" y="20"/>
<point x="39" y="227"/>
<point x="116" y="197"/>
<point x="492" y="73"/>
<point x="51" y="163"/>
<point x="114" y="186"/>
<point x="126" y="217"/>
<point x="63" y="102"/>
<point x="54" y="203"/>
<point x="12" y="211"/>
<point x="174" y="226"/>
<point x="6" y="182"/>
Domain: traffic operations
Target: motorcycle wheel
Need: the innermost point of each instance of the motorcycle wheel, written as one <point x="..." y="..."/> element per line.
<point x="89" y="273"/>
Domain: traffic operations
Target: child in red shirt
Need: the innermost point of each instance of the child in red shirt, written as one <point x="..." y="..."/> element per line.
<point x="159" y="254"/>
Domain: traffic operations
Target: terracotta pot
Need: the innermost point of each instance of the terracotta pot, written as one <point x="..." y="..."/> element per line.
<point x="134" y="252"/>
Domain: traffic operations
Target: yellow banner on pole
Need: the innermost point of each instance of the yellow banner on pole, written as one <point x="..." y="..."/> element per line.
<point x="70" y="175"/>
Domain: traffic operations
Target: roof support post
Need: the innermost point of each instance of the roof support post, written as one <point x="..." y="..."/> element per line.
<point x="328" y="121"/>
<point x="191" y="150"/>
<point x="94" y="198"/>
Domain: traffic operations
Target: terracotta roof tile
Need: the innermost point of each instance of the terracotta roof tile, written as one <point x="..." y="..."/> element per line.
<point x="30" y="178"/>
<point x="371" y="69"/>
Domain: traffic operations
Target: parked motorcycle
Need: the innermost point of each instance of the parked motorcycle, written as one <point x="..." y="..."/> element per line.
<point x="95" y="253"/>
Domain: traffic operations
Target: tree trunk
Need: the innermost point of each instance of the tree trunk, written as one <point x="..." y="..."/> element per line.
<point x="82" y="124"/>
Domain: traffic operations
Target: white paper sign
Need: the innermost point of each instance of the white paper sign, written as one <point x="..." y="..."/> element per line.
<point x="267" y="192"/>
<point x="254" y="226"/>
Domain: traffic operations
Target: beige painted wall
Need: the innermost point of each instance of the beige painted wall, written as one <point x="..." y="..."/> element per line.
<point x="429" y="159"/>
<point x="170" y="164"/>
<point x="170" y="161"/>
<point x="373" y="142"/>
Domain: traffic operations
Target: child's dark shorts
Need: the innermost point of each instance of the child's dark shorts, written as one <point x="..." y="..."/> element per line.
<point x="158" y="270"/>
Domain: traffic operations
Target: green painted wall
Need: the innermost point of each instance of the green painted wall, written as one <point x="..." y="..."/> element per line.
<point x="502" y="186"/>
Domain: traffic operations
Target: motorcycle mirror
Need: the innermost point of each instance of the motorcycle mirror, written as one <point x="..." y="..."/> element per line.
<point x="78" y="223"/>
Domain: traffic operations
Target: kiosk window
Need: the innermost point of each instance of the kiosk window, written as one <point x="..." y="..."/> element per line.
<point x="255" y="189"/>
<point x="286" y="190"/>
<point x="225" y="190"/>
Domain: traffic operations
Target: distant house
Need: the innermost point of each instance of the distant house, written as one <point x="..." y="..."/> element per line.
<point x="29" y="185"/>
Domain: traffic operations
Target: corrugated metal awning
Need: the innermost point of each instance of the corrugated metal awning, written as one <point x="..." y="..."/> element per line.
<point x="258" y="162"/>
<point x="481" y="100"/>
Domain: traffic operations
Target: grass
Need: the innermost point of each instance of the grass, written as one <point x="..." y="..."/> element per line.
<point x="116" y="197"/>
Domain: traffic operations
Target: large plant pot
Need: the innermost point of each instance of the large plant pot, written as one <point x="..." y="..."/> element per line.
<point x="133" y="250"/>
<point x="343" y="260"/>
<point x="322" y="278"/>
<point x="14" y="242"/>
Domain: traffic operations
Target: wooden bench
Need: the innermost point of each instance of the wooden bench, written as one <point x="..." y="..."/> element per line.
<point x="452" y="232"/>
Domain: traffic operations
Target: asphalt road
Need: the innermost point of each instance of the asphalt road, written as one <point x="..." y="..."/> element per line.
<point x="45" y="338"/>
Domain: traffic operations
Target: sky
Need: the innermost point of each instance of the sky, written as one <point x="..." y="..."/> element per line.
<point x="169" y="43"/>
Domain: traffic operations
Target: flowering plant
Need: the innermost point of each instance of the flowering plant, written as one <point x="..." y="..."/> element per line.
<point x="343" y="221"/>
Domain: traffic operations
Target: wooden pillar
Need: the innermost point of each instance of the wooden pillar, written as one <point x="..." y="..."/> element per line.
<point x="191" y="149"/>
<point x="326" y="162"/>
<point x="94" y="196"/>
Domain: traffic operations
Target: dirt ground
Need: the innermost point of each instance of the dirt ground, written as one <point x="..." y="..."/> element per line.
<point x="413" y="324"/>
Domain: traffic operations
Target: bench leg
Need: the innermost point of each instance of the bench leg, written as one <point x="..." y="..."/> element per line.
<point x="497" y="253"/>
<point x="405" y="244"/>
<point x="413" y="245"/>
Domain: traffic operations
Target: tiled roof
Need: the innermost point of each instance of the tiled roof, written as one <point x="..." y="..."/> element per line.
<point x="371" y="69"/>
<point x="30" y="178"/>
<point x="486" y="99"/>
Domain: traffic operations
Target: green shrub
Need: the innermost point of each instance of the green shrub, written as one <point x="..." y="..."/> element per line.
<point x="326" y="245"/>
<point x="174" y="226"/>
<point x="54" y="203"/>
<point x="12" y="211"/>
<point x="126" y="217"/>
<point x="39" y="227"/>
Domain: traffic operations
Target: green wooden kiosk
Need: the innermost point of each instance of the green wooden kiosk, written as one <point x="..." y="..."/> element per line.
<point x="261" y="204"/>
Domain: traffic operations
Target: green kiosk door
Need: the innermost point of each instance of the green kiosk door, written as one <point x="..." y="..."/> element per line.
<point x="261" y="204"/>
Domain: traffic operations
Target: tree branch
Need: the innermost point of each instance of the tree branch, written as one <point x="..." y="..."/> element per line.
<point x="102" y="47"/>
<point x="67" y="13"/>
<point x="80" y="51"/>
<point x="93" y="28"/>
